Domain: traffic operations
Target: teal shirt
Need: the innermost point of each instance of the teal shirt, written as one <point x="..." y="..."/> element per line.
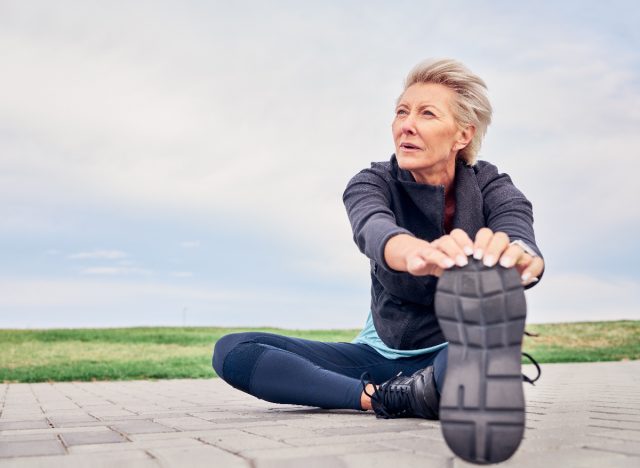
<point x="370" y="337"/>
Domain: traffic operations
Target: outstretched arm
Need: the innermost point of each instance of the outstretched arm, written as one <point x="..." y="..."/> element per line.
<point x="377" y="234"/>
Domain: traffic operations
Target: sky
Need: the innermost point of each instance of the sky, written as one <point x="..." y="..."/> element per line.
<point x="183" y="162"/>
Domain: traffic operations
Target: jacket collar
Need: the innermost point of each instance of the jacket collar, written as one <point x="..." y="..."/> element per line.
<point x="429" y="199"/>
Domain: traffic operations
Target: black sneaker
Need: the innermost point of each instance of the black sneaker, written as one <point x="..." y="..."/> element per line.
<point x="482" y="313"/>
<point x="405" y="397"/>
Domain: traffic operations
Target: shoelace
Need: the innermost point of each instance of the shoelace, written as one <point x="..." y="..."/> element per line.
<point x="535" y="363"/>
<point x="386" y="399"/>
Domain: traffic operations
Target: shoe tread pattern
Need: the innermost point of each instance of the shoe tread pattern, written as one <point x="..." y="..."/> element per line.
<point x="482" y="314"/>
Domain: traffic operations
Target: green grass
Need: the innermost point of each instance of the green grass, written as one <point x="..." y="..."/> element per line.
<point x="585" y="341"/>
<point x="161" y="353"/>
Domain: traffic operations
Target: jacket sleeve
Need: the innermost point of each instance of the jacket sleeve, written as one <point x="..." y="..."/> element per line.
<point x="506" y="209"/>
<point x="367" y="199"/>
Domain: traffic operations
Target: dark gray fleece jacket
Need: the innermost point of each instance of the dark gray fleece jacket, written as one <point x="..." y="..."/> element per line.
<point x="385" y="200"/>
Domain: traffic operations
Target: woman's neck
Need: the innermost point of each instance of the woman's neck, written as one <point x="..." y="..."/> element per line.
<point x="438" y="176"/>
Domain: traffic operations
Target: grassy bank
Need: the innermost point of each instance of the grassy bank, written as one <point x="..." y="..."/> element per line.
<point x="143" y="353"/>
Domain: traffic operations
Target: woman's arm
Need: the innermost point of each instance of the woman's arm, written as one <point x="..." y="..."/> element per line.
<point x="509" y="217"/>
<point x="377" y="234"/>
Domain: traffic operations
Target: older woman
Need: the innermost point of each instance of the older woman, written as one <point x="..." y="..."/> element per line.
<point x="431" y="211"/>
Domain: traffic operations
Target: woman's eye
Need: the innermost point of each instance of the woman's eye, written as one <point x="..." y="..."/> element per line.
<point x="428" y="113"/>
<point x="401" y="112"/>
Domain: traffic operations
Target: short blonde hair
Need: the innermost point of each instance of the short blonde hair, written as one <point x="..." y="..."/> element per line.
<point x="471" y="107"/>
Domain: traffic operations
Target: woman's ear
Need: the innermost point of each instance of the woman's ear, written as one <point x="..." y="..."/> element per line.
<point x="465" y="137"/>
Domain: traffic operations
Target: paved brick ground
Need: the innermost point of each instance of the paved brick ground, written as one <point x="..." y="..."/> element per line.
<point x="578" y="415"/>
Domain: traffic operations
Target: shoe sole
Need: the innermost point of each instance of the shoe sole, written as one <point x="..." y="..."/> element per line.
<point x="482" y="314"/>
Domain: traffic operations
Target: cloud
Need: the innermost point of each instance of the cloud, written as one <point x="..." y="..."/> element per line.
<point x="99" y="254"/>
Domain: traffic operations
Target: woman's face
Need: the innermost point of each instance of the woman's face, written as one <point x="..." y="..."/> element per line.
<point x="425" y="133"/>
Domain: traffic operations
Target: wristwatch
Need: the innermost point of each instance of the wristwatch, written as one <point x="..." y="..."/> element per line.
<point x="524" y="247"/>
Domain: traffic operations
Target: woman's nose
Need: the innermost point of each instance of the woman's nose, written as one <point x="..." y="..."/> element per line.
<point x="408" y="125"/>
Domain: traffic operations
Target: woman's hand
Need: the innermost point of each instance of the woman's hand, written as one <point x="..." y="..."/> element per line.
<point x="416" y="256"/>
<point x="491" y="247"/>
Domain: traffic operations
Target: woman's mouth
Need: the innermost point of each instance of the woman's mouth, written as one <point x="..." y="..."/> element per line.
<point x="406" y="146"/>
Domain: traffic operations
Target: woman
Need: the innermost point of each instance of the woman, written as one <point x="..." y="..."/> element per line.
<point x="431" y="211"/>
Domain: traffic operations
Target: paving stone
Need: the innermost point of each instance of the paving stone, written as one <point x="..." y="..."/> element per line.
<point x="139" y="445"/>
<point x="616" y="434"/>
<point x="422" y="446"/>
<point x="279" y="432"/>
<point x="428" y="434"/>
<point x="178" y="434"/>
<point x="110" y="413"/>
<point x="54" y="430"/>
<point x="8" y="415"/>
<point x="84" y="438"/>
<point x="393" y="459"/>
<point x="139" y="427"/>
<point x="32" y="424"/>
<point x="322" y="424"/>
<point x="27" y="437"/>
<point x="205" y="457"/>
<point x="186" y="424"/>
<point x="343" y="439"/>
<point x="306" y="462"/>
<point x="31" y="448"/>
<point x="241" y="441"/>
<point x="146" y="416"/>
<point x="409" y="425"/>
<point x="73" y="420"/>
<point x="129" y="459"/>
<point x="555" y="432"/>
<point x="621" y="447"/>
<point x="313" y="451"/>
<point x="621" y="425"/>
<point x="221" y="415"/>
<point x="80" y="424"/>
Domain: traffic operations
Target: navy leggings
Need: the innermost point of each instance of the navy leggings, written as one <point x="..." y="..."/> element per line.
<point x="289" y="370"/>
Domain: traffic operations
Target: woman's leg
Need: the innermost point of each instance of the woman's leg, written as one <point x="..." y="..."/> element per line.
<point x="440" y="367"/>
<point x="297" y="371"/>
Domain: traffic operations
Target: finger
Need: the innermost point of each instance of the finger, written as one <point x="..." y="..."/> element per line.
<point x="532" y="272"/>
<point x="483" y="237"/>
<point x="523" y="262"/>
<point x="463" y="240"/>
<point x="438" y="258"/>
<point x="417" y="266"/>
<point x="497" y="245"/>
<point x="450" y="247"/>
<point x="511" y="256"/>
<point x="428" y="262"/>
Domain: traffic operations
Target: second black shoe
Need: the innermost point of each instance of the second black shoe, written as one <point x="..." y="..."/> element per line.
<point x="482" y="314"/>
<point x="402" y="396"/>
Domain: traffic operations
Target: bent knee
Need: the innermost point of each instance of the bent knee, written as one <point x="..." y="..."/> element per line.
<point x="235" y="360"/>
<point x="224" y="346"/>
